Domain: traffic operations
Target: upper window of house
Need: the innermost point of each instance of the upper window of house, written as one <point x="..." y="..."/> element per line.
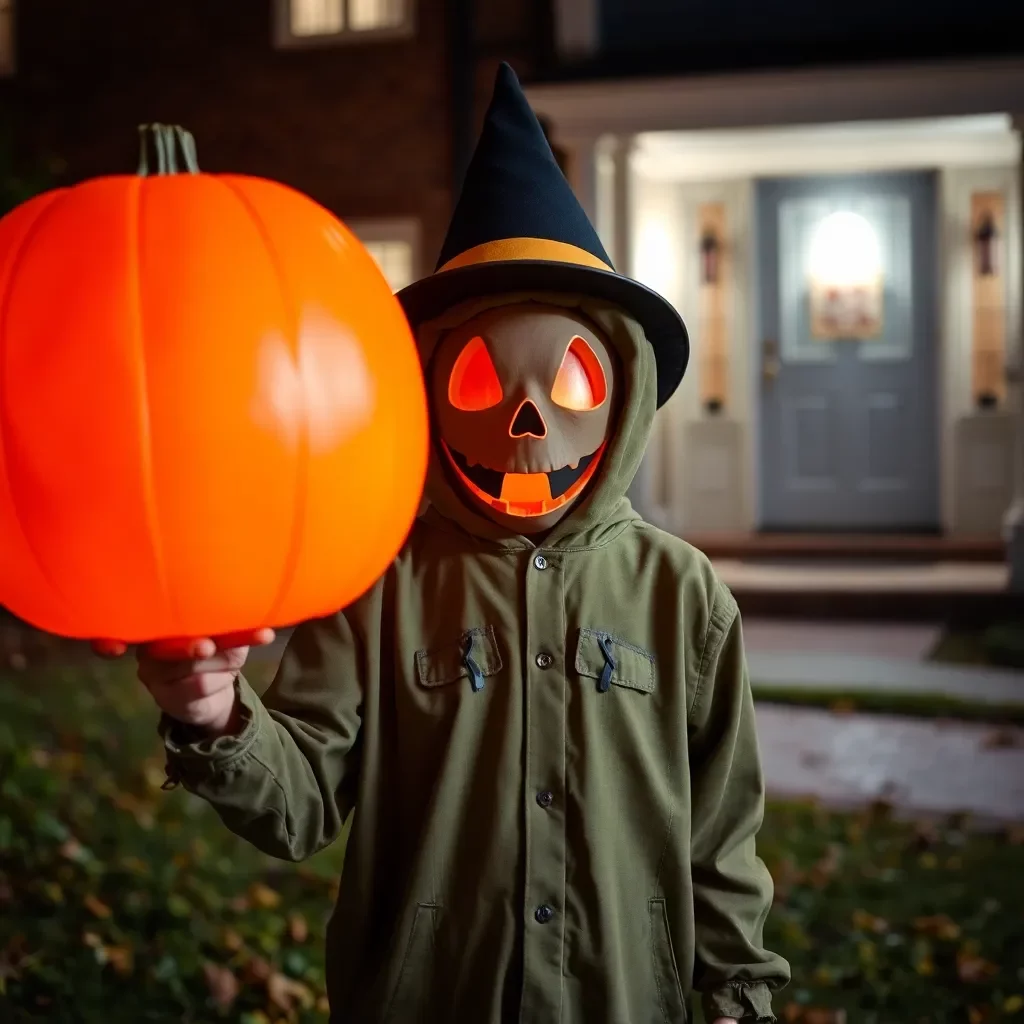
<point x="325" y="21"/>
<point x="394" y="243"/>
<point x="6" y="37"/>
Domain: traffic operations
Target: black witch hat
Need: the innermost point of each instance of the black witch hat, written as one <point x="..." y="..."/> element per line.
<point x="519" y="227"/>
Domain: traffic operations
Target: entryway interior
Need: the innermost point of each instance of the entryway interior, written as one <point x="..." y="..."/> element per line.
<point x="804" y="413"/>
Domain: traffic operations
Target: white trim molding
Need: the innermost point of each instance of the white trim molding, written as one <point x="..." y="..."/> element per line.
<point x="979" y="140"/>
<point x="577" y="31"/>
<point x="825" y="95"/>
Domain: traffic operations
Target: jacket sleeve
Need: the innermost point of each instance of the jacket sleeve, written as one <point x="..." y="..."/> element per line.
<point x="732" y="887"/>
<point x="286" y="780"/>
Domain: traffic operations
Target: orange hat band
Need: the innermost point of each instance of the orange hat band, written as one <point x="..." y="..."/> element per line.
<point x="508" y="249"/>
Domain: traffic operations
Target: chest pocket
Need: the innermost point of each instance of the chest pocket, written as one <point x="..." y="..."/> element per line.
<point x="474" y="656"/>
<point x="613" y="661"/>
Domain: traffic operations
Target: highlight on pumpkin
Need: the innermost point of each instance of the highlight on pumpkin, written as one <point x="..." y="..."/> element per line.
<point x="580" y="384"/>
<point x="473" y="385"/>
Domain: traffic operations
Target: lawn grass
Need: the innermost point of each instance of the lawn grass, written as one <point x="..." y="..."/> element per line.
<point x="912" y="705"/>
<point x="122" y="902"/>
<point x="999" y="645"/>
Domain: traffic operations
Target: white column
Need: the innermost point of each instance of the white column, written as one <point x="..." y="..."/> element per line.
<point x="584" y="172"/>
<point x="1013" y="524"/>
<point x="621" y="251"/>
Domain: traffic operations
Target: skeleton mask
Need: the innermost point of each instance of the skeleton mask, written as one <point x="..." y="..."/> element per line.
<point x="523" y="396"/>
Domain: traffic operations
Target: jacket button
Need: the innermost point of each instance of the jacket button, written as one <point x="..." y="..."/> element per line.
<point x="540" y="562"/>
<point x="545" y="798"/>
<point x="544" y="660"/>
<point x="543" y="914"/>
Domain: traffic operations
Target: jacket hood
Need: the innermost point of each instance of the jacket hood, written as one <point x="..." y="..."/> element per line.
<point x="604" y="509"/>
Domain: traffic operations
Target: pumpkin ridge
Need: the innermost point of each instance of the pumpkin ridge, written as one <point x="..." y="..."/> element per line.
<point x="57" y="197"/>
<point x="145" y="424"/>
<point x="302" y="476"/>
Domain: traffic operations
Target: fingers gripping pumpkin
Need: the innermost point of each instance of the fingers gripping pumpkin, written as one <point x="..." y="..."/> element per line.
<point x="524" y="398"/>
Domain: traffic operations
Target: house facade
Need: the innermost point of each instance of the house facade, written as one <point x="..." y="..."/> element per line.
<point x="844" y="242"/>
<point x="831" y="198"/>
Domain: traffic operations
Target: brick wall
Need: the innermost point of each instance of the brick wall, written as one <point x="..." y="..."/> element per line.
<point x="362" y="128"/>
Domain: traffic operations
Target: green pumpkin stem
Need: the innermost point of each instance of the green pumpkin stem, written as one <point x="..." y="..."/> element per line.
<point x="164" y="138"/>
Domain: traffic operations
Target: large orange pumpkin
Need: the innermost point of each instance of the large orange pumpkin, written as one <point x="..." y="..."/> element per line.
<point x="212" y="413"/>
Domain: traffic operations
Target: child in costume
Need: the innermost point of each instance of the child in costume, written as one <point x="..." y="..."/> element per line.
<point x="540" y="714"/>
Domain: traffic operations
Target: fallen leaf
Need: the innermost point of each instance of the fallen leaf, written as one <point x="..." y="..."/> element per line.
<point x="96" y="907"/>
<point x="297" y="928"/>
<point x="815" y="1016"/>
<point x="977" y="1014"/>
<point x="232" y="940"/>
<point x="121" y="958"/>
<point x="40" y="758"/>
<point x="257" y="970"/>
<point x="971" y="967"/>
<point x="72" y="850"/>
<point x="939" y="926"/>
<point x="223" y="985"/>
<point x="263" y="896"/>
<point x="284" y="992"/>
<point x="791" y="1013"/>
<point x="823" y="871"/>
<point x="92" y="940"/>
<point x="53" y="892"/>
<point x="1003" y="739"/>
<point x="842" y="707"/>
<point x="1013" y="1004"/>
<point x="865" y="922"/>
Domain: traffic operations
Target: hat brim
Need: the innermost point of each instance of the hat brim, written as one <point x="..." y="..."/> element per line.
<point x="663" y="326"/>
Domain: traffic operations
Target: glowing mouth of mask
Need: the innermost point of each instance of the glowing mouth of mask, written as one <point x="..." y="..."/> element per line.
<point x="524" y="494"/>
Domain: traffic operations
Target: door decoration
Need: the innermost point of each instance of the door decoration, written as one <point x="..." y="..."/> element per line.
<point x="847" y="292"/>
<point x="714" y="266"/>
<point x="988" y="299"/>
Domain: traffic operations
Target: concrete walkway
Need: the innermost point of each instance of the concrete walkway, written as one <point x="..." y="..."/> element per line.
<point x="819" y="670"/>
<point x="876" y="657"/>
<point x="918" y="766"/>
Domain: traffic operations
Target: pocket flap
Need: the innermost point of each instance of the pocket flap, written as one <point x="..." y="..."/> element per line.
<point x="446" y="663"/>
<point x="634" y="667"/>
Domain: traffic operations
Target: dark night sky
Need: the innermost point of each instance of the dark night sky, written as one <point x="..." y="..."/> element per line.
<point x="654" y="36"/>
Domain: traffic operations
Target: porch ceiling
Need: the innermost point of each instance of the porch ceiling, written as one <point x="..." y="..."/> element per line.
<point x="827" y="95"/>
<point x="982" y="140"/>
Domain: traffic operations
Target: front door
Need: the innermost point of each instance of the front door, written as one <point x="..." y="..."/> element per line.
<point x="848" y="383"/>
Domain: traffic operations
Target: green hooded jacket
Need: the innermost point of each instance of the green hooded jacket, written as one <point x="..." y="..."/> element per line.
<point x="527" y="845"/>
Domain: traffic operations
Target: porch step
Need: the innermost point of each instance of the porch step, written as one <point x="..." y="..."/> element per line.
<point x="809" y="546"/>
<point x="890" y="589"/>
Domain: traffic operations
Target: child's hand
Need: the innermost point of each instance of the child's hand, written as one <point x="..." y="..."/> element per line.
<point x="193" y="680"/>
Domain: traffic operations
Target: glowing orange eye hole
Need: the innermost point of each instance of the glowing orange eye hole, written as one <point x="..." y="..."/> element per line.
<point x="474" y="383"/>
<point x="580" y="382"/>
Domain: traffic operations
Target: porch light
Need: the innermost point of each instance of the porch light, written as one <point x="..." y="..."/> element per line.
<point x="710" y="251"/>
<point x="845" y="252"/>
<point x="985" y="239"/>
